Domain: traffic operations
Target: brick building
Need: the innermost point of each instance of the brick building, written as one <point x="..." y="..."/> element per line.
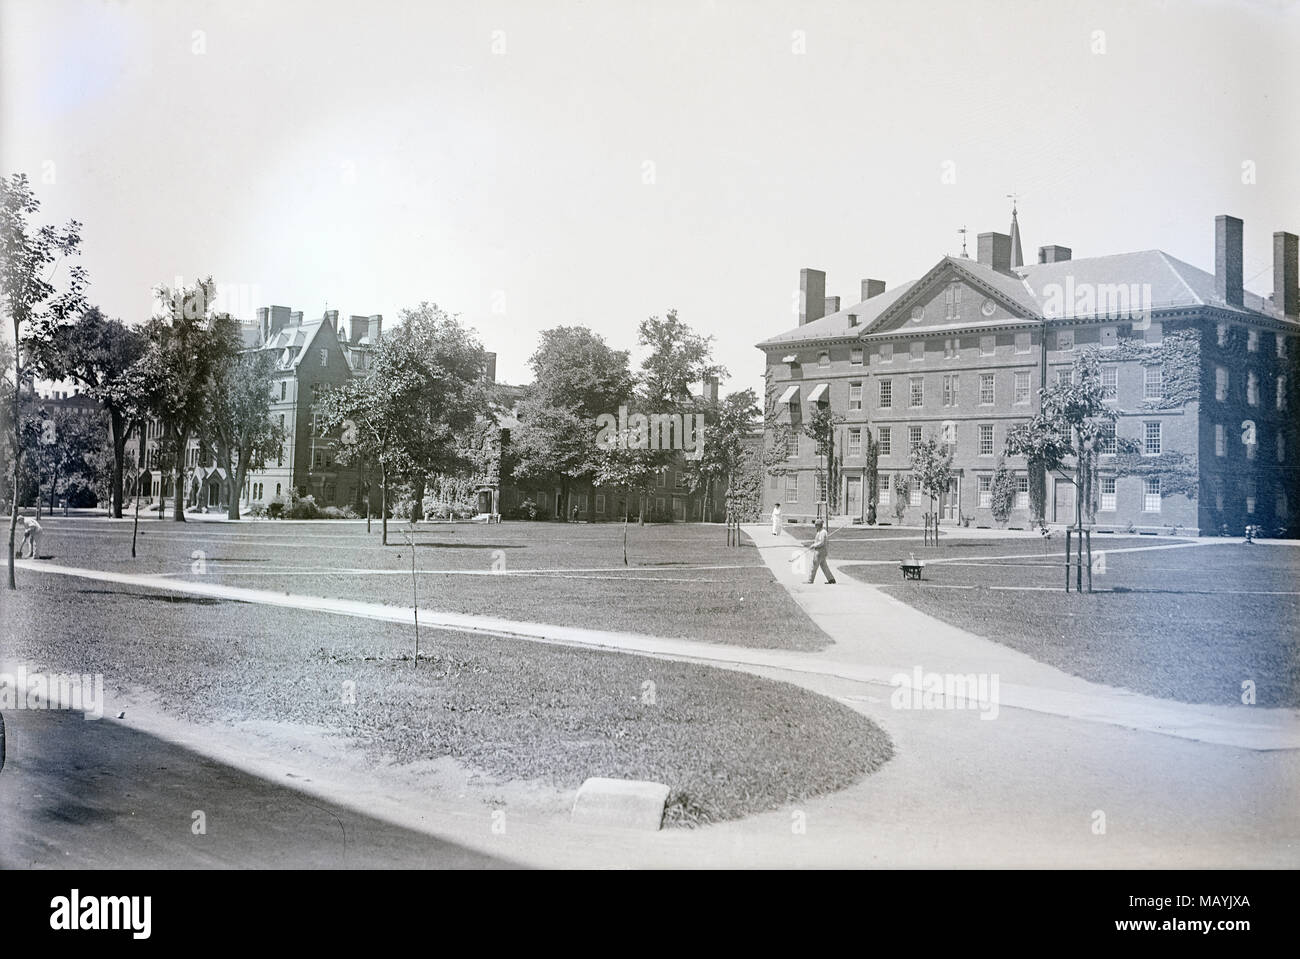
<point x="308" y="357"/>
<point x="1202" y="374"/>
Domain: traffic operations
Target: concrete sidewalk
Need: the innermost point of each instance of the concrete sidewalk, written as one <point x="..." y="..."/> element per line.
<point x="878" y="640"/>
<point x="879" y="636"/>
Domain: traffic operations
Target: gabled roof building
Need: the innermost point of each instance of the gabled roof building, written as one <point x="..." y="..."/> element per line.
<point x="1202" y="374"/>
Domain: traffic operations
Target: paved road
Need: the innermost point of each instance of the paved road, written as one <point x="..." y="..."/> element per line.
<point x="97" y="794"/>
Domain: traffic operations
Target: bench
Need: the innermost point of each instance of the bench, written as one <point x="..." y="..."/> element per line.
<point x="911" y="570"/>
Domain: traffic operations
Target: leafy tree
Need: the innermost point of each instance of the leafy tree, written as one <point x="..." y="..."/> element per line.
<point x="238" y="425"/>
<point x="1003" y="492"/>
<point x="729" y="424"/>
<point x="63" y="447"/>
<point x="29" y="260"/>
<point x="420" y="394"/>
<point x="188" y="346"/>
<point x="576" y="378"/>
<point x="932" y="472"/>
<point x="99" y="352"/>
<point x="1064" y="437"/>
<point x="821" y="429"/>
<point x="623" y="465"/>
<point x="677" y="358"/>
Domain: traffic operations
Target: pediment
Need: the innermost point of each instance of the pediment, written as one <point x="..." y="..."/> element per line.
<point x="948" y="298"/>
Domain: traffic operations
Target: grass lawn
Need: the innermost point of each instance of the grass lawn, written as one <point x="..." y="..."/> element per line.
<point x="569" y="574"/>
<point x="727" y="743"/>
<point x="1189" y="623"/>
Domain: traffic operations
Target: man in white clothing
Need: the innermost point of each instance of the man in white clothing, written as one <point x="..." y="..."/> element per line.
<point x="776" y="520"/>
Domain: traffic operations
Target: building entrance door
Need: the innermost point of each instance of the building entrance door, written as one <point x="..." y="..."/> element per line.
<point x="950" y="501"/>
<point x="1063" y="502"/>
<point x="853" y="495"/>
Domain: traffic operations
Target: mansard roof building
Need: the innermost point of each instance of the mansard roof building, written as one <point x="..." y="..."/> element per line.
<point x="1202" y="374"/>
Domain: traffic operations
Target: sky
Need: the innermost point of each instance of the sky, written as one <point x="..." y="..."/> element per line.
<point x="535" y="163"/>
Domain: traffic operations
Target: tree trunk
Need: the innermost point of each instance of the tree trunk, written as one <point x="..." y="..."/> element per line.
<point x="135" y="526"/>
<point x="117" y="434"/>
<point x="417" y="490"/>
<point x="383" y="503"/>
<point x="640" y="518"/>
<point x="236" y="481"/>
<point x="18" y="445"/>
<point x="54" y="486"/>
<point x="178" y="470"/>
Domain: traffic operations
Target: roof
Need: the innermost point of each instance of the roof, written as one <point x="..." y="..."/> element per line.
<point x="1173" y="285"/>
<point x="292" y="342"/>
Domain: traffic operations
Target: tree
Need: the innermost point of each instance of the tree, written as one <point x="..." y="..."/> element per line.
<point x="821" y="428"/>
<point x="421" y="393"/>
<point x="622" y="464"/>
<point x="175" y="379"/>
<point x="932" y="469"/>
<point x="1003" y="492"/>
<point x="28" y="262"/>
<point x="729" y="425"/>
<point x="873" y="476"/>
<point x="576" y="378"/>
<point x="99" y="352"/>
<point x="238" y="424"/>
<point x="1069" y="425"/>
<point x="63" y="445"/>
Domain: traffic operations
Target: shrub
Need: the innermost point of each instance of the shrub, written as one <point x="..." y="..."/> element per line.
<point x="275" y="509"/>
<point x="526" y="510"/>
<point x="303" y="507"/>
<point x="256" y="509"/>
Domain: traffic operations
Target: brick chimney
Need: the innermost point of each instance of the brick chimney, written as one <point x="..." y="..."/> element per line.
<point x="1227" y="259"/>
<point x="357" y="326"/>
<point x="994" y="250"/>
<point x="832" y="305"/>
<point x="376" y="328"/>
<point x="1054" y="254"/>
<point x="490" y="367"/>
<point x="872" y="288"/>
<point x="812" y="295"/>
<point x="711" y="389"/>
<point x="1286" y="277"/>
<point x="277" y="319"/>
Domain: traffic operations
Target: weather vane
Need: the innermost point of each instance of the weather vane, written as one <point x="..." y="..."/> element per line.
<point x="963" y="231"/>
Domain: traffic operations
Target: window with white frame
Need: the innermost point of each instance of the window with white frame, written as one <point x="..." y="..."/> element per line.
<point x="1281" y="345"/>
<point x="1065" y="340"/>
<point x="855" y="357"/>
<point x="1151" y="438"/>
<point x="916" y="388"/>
<point x="1109" y="381"/>
<point x="987" y="345"/>
<point x="855" y="396"/>
<point x="886" y="394"/>
<point x="950" y="348"/>
<point x="1220" y="440"/>
<point x="1022" y="492"/>
<point x="913" y="438"/>
<point x="1151" y="494"/>
<point x="952" y="301"/>
<point x="1251" y="450"/>
<point x="1107" y="442"/>
<point x="986" y="439"/>
<point x="1221" y="384"/>
<point x="1280" y="400"/>
<point x="883" y="491"/>
<point x="792" y="487"/>
<point x="1024" y="342"/>
<point x="886" y="352"/>
<point x="600" y="502"/>
<point x="325" y="356"/>
<point x="793" y="446"/>
<point x="1250" y="496"/>
<point x="885" y="440"/>
<point x="985" y="486"/>
<point x="917" y="351"/>
<point x="986" y="389"/>
<point x="1223" y="334"/>
<point x="1252" y="388"/>
<point x="1252" y="341"/>
<point x="1153" y="383"/>
<point x="855" y="441"/>
<point x="1022" y="386"/>
<point x="661" y="478"/>
<point x="1108" y="494"/>
<point x="951" y="383"/>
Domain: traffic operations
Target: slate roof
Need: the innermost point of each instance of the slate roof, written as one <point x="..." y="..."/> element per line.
<point x="1174" y="284"/>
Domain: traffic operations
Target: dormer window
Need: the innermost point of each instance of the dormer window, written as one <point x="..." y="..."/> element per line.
<point x="824" y="358"/>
